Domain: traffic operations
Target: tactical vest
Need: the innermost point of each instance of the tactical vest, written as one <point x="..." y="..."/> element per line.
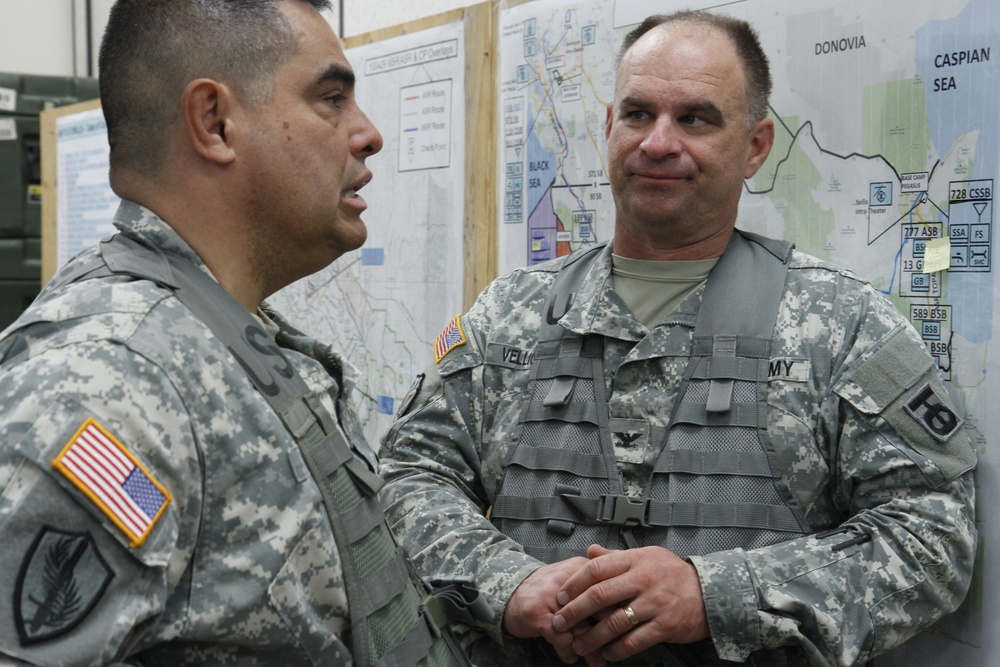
<point x="713" y="486"/>
<point x="390" y="625"/>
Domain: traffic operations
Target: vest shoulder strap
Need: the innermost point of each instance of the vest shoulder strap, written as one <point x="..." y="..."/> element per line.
<point x="388" y="625"/>
<point x="745" y="288"/>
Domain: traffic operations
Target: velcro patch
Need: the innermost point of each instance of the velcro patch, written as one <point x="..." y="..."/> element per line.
<point x="98" y="464"/>
<point x="418" y="382"/>
<point x="506" y="356"/>
<point x="451" y="337"/>
<point x="789" y="369"/>
<point x="932" y="414"/>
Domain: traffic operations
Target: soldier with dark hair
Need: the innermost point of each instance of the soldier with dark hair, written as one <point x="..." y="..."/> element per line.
<point x="692" y="445"/>
<point x="183" y="477"/>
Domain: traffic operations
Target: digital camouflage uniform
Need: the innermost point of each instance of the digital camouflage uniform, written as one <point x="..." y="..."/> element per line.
<point x="239" y="565"/>
<point x="849" y="454"/>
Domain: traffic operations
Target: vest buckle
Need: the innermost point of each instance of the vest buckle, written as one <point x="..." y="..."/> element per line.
<point x="623" y="511"/>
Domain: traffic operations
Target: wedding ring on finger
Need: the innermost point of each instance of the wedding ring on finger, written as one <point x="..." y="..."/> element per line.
<point x="630" y="615"/>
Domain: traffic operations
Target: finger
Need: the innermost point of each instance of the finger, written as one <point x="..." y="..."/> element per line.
<point x="613" y="627"/>
<point x="609" y="590"/>
<point x="562" y="642"/>
<point x="596" y="550"/>
<point x="596" y="570"/>
<point x="631" y="644"/>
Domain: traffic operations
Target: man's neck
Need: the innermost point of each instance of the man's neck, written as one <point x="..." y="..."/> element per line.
<point x="667" y="248"/>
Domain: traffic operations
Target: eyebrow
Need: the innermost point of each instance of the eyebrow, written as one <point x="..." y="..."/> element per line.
<point x="336" y="74"/>
<point x="707" y="109"/>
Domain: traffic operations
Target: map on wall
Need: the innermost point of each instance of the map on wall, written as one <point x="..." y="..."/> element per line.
<point x="887" y="120"/>
<point x="382" y="306"/>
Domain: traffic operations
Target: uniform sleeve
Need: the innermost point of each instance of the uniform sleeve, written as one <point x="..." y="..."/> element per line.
<point x="903" y="558"/>
<point x="434" y="498"/>
<point x="97" y="477"/>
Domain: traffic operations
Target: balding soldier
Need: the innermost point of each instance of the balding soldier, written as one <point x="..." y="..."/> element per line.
<point x="692" y="445"/>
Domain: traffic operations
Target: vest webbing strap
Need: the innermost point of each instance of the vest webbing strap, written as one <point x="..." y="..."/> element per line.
<point x="574" y="412"/>
<point x="752" y="464"/>
<point x="553" y="458"/>
<point x="747" y="415"/>
<point x="702" y="346"/>
<point x="386" y="625"/>
<point x="622" y="511"/>
<point x="732" y="368"/>
<point x="570" y="366"/>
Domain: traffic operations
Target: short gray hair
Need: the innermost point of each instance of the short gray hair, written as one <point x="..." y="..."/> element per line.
<point x="743" y="37"/>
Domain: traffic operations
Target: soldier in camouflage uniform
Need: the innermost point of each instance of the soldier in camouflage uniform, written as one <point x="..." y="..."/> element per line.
<point x="839" y="530"/>
<point x="183" y="479"/>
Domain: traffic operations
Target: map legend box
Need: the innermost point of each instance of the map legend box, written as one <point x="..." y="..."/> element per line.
<point x="425" y="126"/>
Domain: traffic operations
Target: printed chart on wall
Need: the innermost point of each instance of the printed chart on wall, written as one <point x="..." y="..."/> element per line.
<point x="886" y="161"/>
<point x="383" y="305"/>
<point x="86" y="203"/>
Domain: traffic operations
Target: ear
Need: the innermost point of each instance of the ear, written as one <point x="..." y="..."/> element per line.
<point x="609" y="116"/>
<point x="761" y="141"/>
<point x="207" y="107"/>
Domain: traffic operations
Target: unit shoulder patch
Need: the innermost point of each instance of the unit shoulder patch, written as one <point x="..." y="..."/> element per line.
<point x="451" y="337"/>
<point x="932" y="414"/>
<point x="101" y="467"/>
<point x="61" y="579"/>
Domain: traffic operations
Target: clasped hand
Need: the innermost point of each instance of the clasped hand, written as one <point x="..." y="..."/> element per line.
<point x="579" y="605"/>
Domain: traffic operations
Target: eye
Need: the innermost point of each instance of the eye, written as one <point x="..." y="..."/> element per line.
<point x="693" y="121"/>
<point x="336" y="99"/>
<point x="634" y="115"/>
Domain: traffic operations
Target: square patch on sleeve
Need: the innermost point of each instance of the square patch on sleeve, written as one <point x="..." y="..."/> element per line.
<point x="449" y="339"/>
<point x="932" y="414"/>
<point x="98" y="464"/>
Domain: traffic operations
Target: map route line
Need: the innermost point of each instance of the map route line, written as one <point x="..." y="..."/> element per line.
<point x="581" y="185"/>
<point x="333" y="276"/>
<point x="795" y="137"/>
<point x="917" y="201"/>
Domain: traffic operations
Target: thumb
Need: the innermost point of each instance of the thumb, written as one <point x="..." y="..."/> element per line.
<point x="596" y="550"/>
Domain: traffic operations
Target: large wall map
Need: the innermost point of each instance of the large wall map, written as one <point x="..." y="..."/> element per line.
<point x="886" y="161"/>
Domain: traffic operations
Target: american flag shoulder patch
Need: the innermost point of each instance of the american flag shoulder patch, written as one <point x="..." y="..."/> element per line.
<point x="449" y="339"/>
<point x="98" y="464"/>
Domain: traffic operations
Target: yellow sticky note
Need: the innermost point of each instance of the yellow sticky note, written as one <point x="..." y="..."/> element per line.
<point x="937" y="255"/>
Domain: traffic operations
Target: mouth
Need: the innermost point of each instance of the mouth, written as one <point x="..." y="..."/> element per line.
<point x="657" y="176"/>
<point x="351" y="197"/>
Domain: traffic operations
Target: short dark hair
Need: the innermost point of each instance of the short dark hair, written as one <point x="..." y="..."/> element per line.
<point x="153" y="48"/>
<point x="743" y="37"/>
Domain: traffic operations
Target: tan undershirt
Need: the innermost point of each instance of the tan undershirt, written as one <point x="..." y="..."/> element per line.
<point x="652" y="289"/>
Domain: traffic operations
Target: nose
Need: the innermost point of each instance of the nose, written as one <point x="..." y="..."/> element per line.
<point x="366" y="139"/>
<point x="663" y="139"/>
